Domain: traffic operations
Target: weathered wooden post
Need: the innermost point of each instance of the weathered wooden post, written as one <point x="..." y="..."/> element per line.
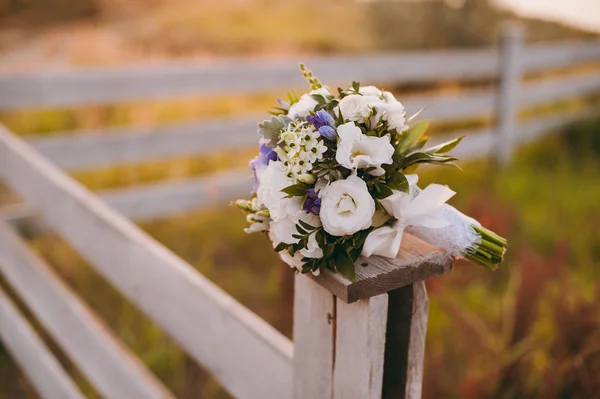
<point x="365" y="339"/>
<point x="511" y="44"/>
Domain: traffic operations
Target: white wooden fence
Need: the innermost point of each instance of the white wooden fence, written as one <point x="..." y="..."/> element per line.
<point x="245" y="354"/>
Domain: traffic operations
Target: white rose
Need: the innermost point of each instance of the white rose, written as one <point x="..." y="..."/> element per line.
<point x="302" y="108"/>
<point x="356" y="107"/>
<point x="358" y="151"/>
<point x="346" y="206"/>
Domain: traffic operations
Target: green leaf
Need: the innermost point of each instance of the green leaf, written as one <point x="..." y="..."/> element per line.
<point x="301" y="230"/>
<point x="271" y="129"/>
<point x="422" y="157"/>
<point x="344" y="263"/>
<point x="417" y="145"/>
<point x="443" y="147"/>
<point x="356" y="86"/>
<point x="383" y="192"/>
<point x="296" y="190"/>
<point x="306" y="226"/>
<point x="380" y="218"/>
<point x="414" y="133"/>
<point x="280" y="247"/>
<point x="397" y="181"/>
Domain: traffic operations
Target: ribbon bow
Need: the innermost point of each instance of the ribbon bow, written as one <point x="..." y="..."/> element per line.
<point x="408" y="210"/>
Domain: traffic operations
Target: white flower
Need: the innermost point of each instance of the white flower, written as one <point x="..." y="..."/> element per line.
<point x="370" y="91"/>
<point x="395" y="115"/>
<point x="272" y="180"/>
<point x="359" y="107"/>
<point x="409" y="210"/>
<point x="283" y="231"/>
<point x="346" y="206"/>
<point x="356" y="107"/>
<point x="302" y="108"/>
<point x="358" y="151"/>
<point x="257" y="223"/>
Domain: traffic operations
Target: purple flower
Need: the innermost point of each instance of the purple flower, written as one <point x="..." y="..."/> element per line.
<point x="324" y="123"/>
<point x="265" y="155"/>
<point x="312" y="203"/>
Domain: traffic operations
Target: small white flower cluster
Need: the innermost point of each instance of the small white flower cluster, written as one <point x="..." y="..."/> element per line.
<point x="301" y="147"/>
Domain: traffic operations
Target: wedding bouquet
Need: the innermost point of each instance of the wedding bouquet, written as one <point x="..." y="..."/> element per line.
<point x="335" y="179"/>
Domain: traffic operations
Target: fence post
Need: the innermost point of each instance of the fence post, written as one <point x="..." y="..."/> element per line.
<point x="511" y="44"/>
<point x="365" y="339"/>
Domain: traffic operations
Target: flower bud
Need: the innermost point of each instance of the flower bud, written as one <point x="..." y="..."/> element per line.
<point x="307" y="178"/>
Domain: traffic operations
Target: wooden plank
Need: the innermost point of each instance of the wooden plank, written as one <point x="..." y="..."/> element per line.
<point x="179" y="196"/>
<point x="547" y="91"/>
<point x="359" y="348"/>
<point x="92" y="86"/>
<point x="560" y="54"/>
<point x="46" y="374"/>
<point x="107" y="363"/>
<point x="244" y="353"/>
<point x="416" y="261"/>
<point x="508" y="91"/>
<point x="98" y="148"/>
<point x="405" y="342"/>
<point x="314" y="335"/>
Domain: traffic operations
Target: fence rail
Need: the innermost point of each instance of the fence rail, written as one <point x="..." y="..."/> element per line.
<point x="92" y="86"/>
<point x="243" y="352"/>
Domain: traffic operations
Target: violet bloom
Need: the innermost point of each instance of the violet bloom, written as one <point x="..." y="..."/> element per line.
<point x="312" y="203"/>
<point x="265" y="155"/>
<point x="324" y="123"/>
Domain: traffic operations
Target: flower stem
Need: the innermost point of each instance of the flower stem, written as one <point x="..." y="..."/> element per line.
<point x="490" y="250"/>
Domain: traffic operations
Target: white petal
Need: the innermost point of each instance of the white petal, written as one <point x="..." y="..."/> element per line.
<point x="429" y="200"/>
<point x="384" y="241"/>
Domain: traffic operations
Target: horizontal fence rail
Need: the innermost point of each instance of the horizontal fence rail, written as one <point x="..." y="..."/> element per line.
<point x="109" y="366"/>
<point x="248" y="356"/>
<point x="93" y="86"/>
<point x="46" y="374"/>
<point x="94" y="149"/>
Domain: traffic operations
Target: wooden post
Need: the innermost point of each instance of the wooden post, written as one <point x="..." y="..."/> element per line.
<point x="511" y="43"/>
<point x="365" y="339"/>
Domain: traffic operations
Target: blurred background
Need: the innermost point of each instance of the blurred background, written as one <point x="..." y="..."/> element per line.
<point x="528" y="330"/>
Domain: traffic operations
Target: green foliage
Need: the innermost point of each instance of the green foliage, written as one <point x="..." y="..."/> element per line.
<point x="271" y="129"/>
<point x="315" y="83"/>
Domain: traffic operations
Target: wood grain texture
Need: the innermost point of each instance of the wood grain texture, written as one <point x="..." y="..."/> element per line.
<point x="314" y="335"/>
<point x="108" y="364"/>
<point x="93" y="86"/>
<point x="359" y="348"/>
<point x="417" y="260"/>
<point x="405" y="342"/>
<point x="248" y="356"/>
<point x="46" y="374"/>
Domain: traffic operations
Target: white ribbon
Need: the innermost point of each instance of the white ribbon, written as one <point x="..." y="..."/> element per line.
<point x="408" y="210"/>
